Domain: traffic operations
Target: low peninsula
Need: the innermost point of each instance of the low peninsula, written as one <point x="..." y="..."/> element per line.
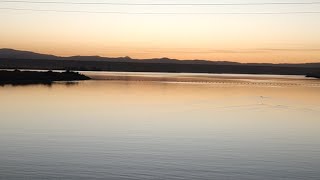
<point x="17" y="77"/>
<point x="313" y="75"/>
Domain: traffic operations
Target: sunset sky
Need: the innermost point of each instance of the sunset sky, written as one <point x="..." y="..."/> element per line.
<point x="77" y="29"/>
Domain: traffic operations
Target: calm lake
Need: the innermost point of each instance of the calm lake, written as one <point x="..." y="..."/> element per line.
<point x="162" y="126"/>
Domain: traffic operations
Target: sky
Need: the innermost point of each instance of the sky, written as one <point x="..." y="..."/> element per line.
<point x="76" y="29"/>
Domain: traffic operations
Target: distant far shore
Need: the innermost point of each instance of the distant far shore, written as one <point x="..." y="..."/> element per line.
<point x="18" y="77"/>
<point x="16" y="59"/>
<point x="75" y="65"/>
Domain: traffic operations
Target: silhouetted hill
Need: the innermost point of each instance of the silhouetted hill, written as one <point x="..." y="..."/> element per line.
<point x="17" y="54"/>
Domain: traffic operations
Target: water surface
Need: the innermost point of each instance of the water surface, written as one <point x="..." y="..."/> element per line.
<point x="226" y="127"/>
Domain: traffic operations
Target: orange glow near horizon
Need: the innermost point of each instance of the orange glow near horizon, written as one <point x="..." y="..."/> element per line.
<point x="243" y="55"/>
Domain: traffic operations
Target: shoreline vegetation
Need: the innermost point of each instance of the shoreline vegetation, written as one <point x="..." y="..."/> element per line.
<point x="18" y="77"/>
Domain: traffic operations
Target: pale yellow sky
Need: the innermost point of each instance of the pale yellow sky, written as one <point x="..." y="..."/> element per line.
<point x="276" y="38"/>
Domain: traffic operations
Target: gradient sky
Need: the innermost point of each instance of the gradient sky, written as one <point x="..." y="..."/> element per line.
<point x="273" y="38"/>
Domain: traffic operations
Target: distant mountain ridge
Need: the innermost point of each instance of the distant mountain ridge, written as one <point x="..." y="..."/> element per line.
<point x="7" y="53"/>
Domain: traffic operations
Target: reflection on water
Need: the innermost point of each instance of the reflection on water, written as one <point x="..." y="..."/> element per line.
<point x="233" y="79"/>
<point x="154" y="130"/>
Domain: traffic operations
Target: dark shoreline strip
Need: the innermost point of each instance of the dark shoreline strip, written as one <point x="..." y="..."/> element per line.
<point x="17" y="77"/>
